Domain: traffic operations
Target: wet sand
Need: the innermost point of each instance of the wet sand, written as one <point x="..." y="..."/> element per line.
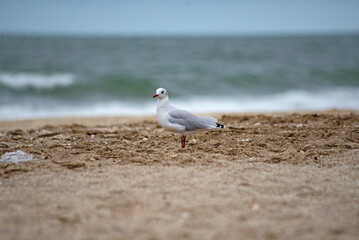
<point x="265" y="176"/>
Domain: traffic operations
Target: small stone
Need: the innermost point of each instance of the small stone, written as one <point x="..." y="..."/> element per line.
<point x="254" y="206"/>
<point x="174" y="155"/>
<point x="185" y="214"/>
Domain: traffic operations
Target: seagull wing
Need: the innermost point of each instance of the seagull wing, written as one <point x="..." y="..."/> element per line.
<point x="190" y="121"/>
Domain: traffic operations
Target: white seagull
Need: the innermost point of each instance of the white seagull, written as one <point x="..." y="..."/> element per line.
<point x="180" y="121"/>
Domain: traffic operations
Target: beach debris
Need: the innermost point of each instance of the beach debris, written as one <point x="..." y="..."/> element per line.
<point x="185" y="214"/>
<point x="2" y="144"/>
<point x="138" y="207"/>
<point x="254" y="206"/>
<point x="237" y="128"/>
<point x="73" y="165"/>
<point x="48" y="134"/>
<point x="16" y="157"/>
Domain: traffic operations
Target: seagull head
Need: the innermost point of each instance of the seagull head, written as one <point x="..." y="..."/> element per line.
<point x="160" y="93"/>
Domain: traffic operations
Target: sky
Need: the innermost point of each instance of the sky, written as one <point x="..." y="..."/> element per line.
<point x="142" y="17"/>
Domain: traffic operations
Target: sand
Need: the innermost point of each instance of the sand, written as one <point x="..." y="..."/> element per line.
<point x="265" y="176"/>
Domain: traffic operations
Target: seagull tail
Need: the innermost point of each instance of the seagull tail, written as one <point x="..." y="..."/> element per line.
<point x="210" y="122"/>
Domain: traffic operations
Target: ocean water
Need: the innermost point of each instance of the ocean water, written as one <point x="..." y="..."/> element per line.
<point x="113" y="76"/>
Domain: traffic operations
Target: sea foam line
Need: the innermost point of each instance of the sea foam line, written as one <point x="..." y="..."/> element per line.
<point x="340" y="98"/>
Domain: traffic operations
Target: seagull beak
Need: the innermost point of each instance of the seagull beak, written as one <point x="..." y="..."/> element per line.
<point x="156" y="95"/>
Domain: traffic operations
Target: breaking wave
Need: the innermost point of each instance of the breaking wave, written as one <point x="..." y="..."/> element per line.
<point x="342" y="98"/>
<point x="19" y="81"/>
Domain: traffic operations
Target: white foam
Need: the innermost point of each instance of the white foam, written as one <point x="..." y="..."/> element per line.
<point x="114" y="108"/>
<point x="341" y="98"/>
<point x="38" y="81"/>
<point x="16" y="157"/>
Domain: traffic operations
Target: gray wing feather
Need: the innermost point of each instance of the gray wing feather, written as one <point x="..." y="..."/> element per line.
<point x="190" y="121"/>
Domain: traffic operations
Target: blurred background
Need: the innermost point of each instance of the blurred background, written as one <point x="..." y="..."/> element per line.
<point x="107" y="58"/>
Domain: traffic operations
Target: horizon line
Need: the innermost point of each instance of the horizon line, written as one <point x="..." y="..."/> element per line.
<point x="183" y="34"/>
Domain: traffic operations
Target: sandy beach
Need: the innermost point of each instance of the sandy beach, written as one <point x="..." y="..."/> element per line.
<point x="265" y="176"/>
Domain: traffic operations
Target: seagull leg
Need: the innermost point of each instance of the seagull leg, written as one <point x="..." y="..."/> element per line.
<point x="183" y="141"/>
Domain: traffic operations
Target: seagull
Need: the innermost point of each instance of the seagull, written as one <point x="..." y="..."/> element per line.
<point x="181" y="121"/>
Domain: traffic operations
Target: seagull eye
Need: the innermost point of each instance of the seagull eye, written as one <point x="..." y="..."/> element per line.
<point x="162" y="91"/>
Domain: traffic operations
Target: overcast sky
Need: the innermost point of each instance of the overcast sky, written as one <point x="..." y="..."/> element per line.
<point x="140" y="17"/>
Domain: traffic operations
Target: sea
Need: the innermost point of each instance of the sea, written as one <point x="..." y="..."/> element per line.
<point x="63" y="76"/>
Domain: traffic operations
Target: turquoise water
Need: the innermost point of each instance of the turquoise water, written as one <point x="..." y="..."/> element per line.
<point x="92" y="76"/>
